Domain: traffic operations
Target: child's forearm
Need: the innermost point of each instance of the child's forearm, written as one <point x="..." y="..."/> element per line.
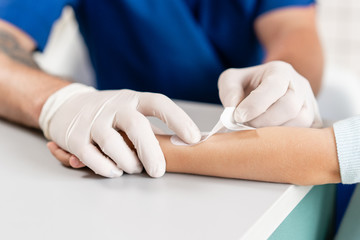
<point x="301" y="156"/>
<point x="277" y="154"/>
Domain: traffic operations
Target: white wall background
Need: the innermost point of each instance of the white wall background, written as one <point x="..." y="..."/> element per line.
<point x="339" y="29"/>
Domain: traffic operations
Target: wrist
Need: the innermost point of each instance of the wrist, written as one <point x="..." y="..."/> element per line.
<point x="44" y="93"/>
<point x="54" y="101"/>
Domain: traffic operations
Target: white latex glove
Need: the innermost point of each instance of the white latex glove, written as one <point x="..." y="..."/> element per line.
<point x="270" y="94"/>
<point x="82" y="120"/>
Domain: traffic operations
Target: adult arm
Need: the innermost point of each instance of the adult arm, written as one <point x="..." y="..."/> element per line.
<point x="290" y="35"/>
<point x="79" y="118"/>
<point x="24" y="87"/>
<point x="280" y="91"/>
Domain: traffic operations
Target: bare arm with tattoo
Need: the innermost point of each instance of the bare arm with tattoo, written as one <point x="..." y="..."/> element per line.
<point x="23" y="86"/>
<point x="26" y="92"/>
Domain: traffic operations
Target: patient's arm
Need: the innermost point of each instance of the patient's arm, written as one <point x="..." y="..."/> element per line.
<point x="277" y="154"/>
<point x="301" y="156"/>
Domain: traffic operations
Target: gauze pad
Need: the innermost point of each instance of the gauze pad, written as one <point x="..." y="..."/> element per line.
<point x="225" y="123"/>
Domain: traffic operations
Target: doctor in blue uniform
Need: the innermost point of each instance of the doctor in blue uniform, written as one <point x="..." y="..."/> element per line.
<point x="262" y="57"/>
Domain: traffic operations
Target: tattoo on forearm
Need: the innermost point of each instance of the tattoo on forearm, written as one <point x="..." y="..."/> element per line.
<point x="11" y="47"/>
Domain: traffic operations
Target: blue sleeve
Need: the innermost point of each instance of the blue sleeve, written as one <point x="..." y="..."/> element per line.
<point x="347" y="135"/>
<point x="269" y="5"/>
<point x="33" y="17"/>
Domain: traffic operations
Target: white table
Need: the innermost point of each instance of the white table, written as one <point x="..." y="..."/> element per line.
<point x="40" y="199"/>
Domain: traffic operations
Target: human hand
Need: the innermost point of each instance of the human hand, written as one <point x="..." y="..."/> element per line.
<point x="271" y="94"/>
<point x="66" y="158"/>
<point x="82" y="120"/>
<point x="70" y="160"/>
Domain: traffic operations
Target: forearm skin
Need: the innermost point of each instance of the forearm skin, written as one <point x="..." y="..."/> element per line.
<point x="277" y="154"/>
<point x="290" y="35"/>
<point x="24" y="87"/>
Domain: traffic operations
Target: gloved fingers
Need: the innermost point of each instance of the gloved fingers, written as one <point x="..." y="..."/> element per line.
<point x="310" y="111"/>
<point x="162" y="107"/>
<point x="309" y="115"/>
<point x="63" y="156"/>
<point x="283" y="110"/>
<point x="138" y="129"/>
<point x="231" y="86"/>
<point x="113" y="145"/>
<point x="270" y="90"/>
<point x="96" y="161"/>
<point x="304" y="119"/>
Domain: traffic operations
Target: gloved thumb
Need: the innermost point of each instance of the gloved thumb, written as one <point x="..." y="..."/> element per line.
<point x="231" y="90"/>
<point x="231" y="97"/>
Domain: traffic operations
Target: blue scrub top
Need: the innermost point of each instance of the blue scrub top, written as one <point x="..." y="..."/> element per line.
<point x="174" y="47"/>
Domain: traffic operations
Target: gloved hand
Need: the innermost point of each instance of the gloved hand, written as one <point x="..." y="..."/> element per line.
<point x="82" y="120"/>
<point x="270" y="94"/>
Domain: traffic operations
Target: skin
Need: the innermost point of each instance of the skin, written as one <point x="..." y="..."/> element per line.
<point x="21" y="76"/>
<point x="276" y="154"/>
<point x="287" y="38"/>
<point x="282" y="34"/>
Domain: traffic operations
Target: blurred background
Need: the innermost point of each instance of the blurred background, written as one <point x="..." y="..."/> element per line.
<point x="339" y="29"/>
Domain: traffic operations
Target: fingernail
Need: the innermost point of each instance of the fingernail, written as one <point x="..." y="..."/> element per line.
<point x="74" y="162"/>
<point x="116" y="173"/>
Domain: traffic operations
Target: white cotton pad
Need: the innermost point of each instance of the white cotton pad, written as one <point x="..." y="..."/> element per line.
<point x="226" y="121"/>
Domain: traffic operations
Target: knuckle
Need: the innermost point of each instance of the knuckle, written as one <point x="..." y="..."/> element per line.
<point x="97" y="132"/>
<point x="122" y="116"/>
<point x="253" y="107"/>
<point x="228" y="72"/>
<point x="133" y="126"/>
<point x="279" y="72"/>
<point x="280" y="65"/>
<point x="291" y="107"/>
<point x="106" y="146"/>
<point x="275" y="79"/>
<point x="161" y="98"/>
<point x="158" y="99"/>
<point x="82" y="155"/>
<point x="127" y="91"/>
<point x="138" y="126"/>
<point x="226" y="75"/>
